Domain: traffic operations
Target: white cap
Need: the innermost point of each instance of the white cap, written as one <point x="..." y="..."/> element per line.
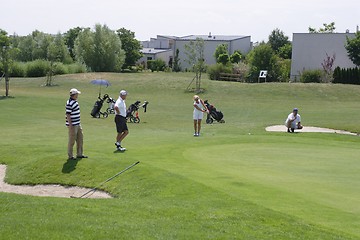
<point x="123" y="93"/>
<point x="74" y="91"/>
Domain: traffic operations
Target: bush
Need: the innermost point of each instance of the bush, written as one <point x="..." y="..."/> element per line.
<point x="242" y="69"/>
<point x="37" y="68"/>
<point x="76" y="68"/>
<point x="311" y="76"/>
<point x="18" y="69"/>
<point x="156" y="65"/>
<point x="59" y="69"/>
<point x="215" y="70"/>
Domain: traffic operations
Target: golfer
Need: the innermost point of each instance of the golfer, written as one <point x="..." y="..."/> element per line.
<point x="120" y="120"/>
<point x="74" y="126"/>
<point x="199" y="109"/>
<point x="293" y="121"/>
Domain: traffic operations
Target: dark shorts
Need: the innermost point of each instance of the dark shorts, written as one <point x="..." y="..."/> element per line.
<point x="121" y="125"/>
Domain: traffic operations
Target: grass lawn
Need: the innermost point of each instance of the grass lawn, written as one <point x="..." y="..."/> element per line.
<point x="236" y="181"/>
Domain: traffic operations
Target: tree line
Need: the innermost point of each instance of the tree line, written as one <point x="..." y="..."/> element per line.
<point x="79" y="49"/>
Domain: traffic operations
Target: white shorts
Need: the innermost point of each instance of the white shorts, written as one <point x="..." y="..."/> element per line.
<point x="198" y="115"/>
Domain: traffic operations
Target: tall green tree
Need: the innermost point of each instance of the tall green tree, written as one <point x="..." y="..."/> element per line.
<point x="328" y="28"/>
<point x="7" y="53"/>
<point x="131" y="47"/>
<point x="285" y="51"/>
<point x="221" y="49"/>
<point x="260" y="58"/>
<point x="56" y="52"/>
<point x="100" y="49"/>
<point x="69" y="38"/>
<point x="277" y="39"/>
<point x="41" y="44"/>
<point x="352" y="47"/>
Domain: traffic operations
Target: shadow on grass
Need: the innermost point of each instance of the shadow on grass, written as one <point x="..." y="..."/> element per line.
<point x="6" y="97"/>
<point x="70" y="165"/>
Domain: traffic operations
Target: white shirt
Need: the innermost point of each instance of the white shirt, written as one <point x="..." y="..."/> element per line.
<point x="292" y="117"/>
<point x="120" y="103"/>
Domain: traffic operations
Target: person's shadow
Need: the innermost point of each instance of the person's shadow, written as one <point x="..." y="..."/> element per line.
<point x="70" y="165"/>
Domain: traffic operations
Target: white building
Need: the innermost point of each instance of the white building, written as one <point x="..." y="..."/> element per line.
<point x="309" y="51"/>
<point x="154" y="54"/>
<point x="241" y="43"/>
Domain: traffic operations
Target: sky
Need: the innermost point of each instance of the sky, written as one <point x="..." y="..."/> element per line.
<point x="149" y="18"/>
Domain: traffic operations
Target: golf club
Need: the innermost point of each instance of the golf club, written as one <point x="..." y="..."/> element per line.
<point x="93" y="190"/>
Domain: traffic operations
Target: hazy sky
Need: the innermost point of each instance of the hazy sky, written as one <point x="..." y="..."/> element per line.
<point x="148" y="18"/>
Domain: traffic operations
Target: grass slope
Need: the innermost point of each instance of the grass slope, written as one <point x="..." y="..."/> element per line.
<point x="227" y="184"/>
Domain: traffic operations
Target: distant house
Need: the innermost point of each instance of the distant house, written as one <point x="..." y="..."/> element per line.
<point x="153" y="54"/>
<point x="309" y="51"/>
<point x="241" y="43"/>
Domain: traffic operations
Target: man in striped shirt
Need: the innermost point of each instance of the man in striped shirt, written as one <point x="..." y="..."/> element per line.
<point x="74" y="126"/>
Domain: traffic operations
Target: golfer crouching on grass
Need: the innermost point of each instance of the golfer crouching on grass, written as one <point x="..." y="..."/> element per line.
<point x="199" y="109"/>
<point x="293" y="121"/>
<point x="120" y="120"/>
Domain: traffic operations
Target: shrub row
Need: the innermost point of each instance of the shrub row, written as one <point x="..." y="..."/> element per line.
<point x="40" y="68"/>
<point x="347" y="75"/>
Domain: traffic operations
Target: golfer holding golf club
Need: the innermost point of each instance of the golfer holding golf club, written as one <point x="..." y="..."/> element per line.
<point x="120" y="120"/>
<point x="199" y="109"/>
<point x="293" y="121"/>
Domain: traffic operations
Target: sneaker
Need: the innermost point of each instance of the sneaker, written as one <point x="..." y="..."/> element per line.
<point x="195" y="134"/>
<point x="71" y="158"/>
<point x="82" y="156"/>
<point x="198" y="134"/>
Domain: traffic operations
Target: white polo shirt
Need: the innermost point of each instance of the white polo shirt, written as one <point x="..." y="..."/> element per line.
<point x="291" y="117"/>
<point x="120" y="103"/>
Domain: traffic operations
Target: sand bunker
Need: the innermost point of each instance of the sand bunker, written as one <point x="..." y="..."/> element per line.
<point x="282" y="128"/>
<point x="47" y="190"/>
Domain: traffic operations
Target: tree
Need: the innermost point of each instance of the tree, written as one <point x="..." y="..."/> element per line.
<point x="69" y="38"/>
<point x="352" y="47"/>
<point x="260" y="58"/>
<point x="277" y="39"/>
<point x="195" y="57"/>
<point x="236" y="57"/>
<point x="285" y="51"/>
<point x="327" y="65"/>
<point x="220" y="49"/>
<point x="56" y="52"/>
<point x="224" y="58"/>
<point x="131" y="46"/>
<point x="41" y="44"/>
<point x="176" y="65"/>
<point x="328" y="28"/>
<point x="100" y="50"/>
<point x="6" y="58"/>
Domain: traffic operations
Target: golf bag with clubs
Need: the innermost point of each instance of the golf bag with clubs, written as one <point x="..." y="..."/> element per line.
<point x="132" y="113"/>
<point x="213" y="114"/>
<point x="96" y="111"/>
<point x="111" y="102"/>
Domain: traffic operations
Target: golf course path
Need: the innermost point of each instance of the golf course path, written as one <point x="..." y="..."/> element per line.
<point x="47" y="190"/>
<point x="282" y="128"/>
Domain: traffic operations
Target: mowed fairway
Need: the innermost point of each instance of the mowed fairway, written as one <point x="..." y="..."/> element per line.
<point x="236" y="181"/>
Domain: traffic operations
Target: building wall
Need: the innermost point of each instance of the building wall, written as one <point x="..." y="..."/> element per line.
<point x="242" y="44"/>
<point x="309" y="51"/>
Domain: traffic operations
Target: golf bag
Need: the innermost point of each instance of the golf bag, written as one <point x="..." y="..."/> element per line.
<point x="132" y="113"/>
<point x="96" y="111"/>
<point x="213" y="114"/>
<point x="111" y="102"/>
